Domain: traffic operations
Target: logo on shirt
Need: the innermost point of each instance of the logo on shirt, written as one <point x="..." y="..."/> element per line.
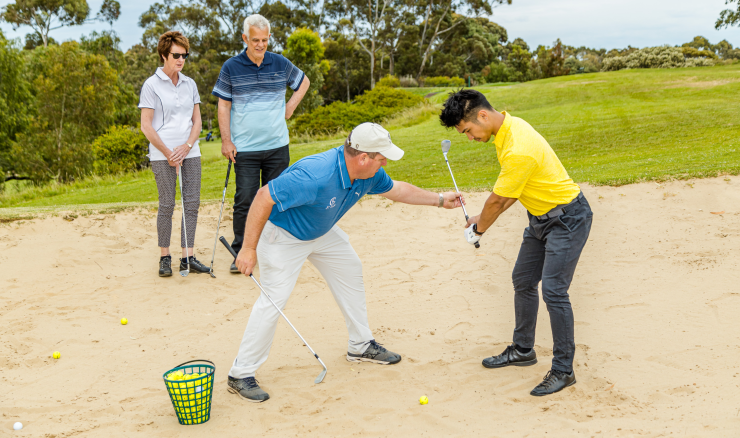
<point x="332" y="203"/>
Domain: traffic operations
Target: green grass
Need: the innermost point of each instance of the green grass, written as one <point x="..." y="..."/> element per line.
<point x="607" y="128"/>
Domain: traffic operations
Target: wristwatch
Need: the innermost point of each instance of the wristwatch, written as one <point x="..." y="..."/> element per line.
<point x="441" y="200"/>
<point x="475" y="230"/>
<point x="189" y="145"/>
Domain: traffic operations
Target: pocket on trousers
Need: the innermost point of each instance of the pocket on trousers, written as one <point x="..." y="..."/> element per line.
<point x="568" y="222"/>
<point x="341" y="233"/>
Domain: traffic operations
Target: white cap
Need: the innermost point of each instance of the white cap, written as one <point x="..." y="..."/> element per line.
<point x="371" y="137"/>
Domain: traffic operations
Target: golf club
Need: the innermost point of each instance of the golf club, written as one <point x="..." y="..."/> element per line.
<point x="184" y="227"/>
<point x="323" y="373"/>
<point x="223" y="198"/>
<point x="446" y="145"/>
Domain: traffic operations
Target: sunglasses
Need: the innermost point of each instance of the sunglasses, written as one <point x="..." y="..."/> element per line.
<point x="178" y="55"/>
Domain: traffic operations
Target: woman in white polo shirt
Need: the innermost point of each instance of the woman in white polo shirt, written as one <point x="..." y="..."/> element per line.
<point x="170" y="119"/>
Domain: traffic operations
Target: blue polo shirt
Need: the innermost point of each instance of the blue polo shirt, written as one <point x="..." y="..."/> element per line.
<point x="314" y="193"/>
<point x="257" y="96"/>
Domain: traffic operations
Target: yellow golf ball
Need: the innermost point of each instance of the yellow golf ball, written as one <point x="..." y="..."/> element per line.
<point x="56" y="355"/>
<point x="124" y="321"/>
<point x="423" y="400"/>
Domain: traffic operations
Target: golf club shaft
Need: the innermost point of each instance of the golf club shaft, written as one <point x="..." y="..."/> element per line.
<point x="456" y="189"/>
<point x="184" y="227"/>
<point x="477" y="245"/>
<point x="233" y="253"/>
<point x="218" y="226"/>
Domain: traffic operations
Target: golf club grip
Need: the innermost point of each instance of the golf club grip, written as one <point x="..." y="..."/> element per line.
<point x="228" y="172"/>
<point x="226" y="244"/>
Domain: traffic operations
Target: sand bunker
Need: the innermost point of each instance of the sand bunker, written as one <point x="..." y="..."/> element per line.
<point x="656" y="302"/>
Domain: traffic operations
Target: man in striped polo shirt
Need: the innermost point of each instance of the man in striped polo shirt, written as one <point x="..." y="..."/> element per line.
<point x="251" y="115"/>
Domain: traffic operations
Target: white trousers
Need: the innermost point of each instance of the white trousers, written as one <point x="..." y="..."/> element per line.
<point x="280" y="257"/>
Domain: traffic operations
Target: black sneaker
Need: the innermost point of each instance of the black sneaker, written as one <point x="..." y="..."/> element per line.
<point x="553" y="382"/>
<point x="511" y="356"/>
<point x="233" y="269"/>
<point x="375" y="353"/>
<point x="248" y="388"/>
<point x="165" y="266"/>
<point x="195" y="266"/>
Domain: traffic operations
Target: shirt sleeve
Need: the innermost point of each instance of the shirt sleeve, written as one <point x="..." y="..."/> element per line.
<point x="222" y="89"/>
<point x="515" y="172"/>
<point x="382" y="183"/>
<point x="293" y="189"/>
<point x="294" y="74"/>
<point x="148" y="97"/>
<point x="196" y="95"/>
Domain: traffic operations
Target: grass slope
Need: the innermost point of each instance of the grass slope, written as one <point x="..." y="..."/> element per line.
<point x="607" y="128"/>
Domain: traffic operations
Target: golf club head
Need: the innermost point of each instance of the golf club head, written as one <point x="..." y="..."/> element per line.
<point x="446" y="145"/>
<point x="321" y="377"/>
<point x="212" y="274"/>
<point x="184" y="273"/>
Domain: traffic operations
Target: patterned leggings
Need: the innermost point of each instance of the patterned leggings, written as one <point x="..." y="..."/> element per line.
<point x="166" y="178"/>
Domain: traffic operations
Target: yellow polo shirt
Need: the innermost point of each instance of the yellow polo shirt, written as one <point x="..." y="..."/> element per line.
<point x="530" y="170"/>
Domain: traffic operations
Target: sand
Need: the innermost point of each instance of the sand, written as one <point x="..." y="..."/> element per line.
<point x="655" y="296"/>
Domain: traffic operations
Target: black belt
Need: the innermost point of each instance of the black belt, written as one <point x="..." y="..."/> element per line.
<point x="560" y="209"/>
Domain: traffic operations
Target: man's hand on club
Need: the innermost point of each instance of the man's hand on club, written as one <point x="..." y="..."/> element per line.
<point x="228" y="150"/>
<point x="246" y="260"/>
<point x="452" y="200"/>
<point x="472" y="220"/>
<point x="470" y="235"/>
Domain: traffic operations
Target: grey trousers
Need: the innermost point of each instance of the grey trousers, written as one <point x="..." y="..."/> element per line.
<point x="166" y="177"/>
<point x="550" y="253"/>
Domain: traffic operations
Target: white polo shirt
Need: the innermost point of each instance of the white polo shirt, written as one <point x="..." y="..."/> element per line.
<point x="173" y="111"/>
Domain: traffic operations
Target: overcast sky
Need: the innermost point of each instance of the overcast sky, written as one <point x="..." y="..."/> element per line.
<point x="593" y="23"/>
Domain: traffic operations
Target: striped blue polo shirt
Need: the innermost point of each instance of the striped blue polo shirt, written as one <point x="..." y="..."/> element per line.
<point x="314" y="193"/>
<point x="257" y="96"/>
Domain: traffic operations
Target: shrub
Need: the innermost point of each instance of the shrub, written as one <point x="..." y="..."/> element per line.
<point x="121" y="149"/>
<point x="408" y="81"/>
<point x="655" y="57"/>
<point x="389" y="81"/>
<point x="373" y="106"/>
<point x="444" y="81"/>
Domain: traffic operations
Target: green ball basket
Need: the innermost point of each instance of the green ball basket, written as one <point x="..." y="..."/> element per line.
<point x="191" y="398"/>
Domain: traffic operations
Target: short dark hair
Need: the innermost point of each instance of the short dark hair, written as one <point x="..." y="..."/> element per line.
<point x="463" y="105"/>
<point x="352" y="152"/>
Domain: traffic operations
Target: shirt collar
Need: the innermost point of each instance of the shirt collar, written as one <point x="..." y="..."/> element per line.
<point x="503" y="131"/>
<point x="267" y="60"/>
<point x="343" y="173"/>
<point x="162" y="75"/>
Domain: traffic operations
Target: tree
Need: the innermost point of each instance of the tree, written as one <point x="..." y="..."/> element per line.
<point x="75" y="95"/>
<point x="349" y="73"/>
<point x="441" y="17"/>
<point x="728" y="17"/>
<point x="14" y="104"/>
<point x="305" y="50"/>
<point x="366" y="19"/>
<point x="43" y="16"/>
<point x="551" y="62"/>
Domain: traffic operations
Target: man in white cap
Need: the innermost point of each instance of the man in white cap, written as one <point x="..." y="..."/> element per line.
<point x="293" y="218"/>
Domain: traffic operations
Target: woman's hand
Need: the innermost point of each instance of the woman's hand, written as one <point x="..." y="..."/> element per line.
<point x="172" y="159"/>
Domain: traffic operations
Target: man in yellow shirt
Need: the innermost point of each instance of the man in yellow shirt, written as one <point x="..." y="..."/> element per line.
<point x="559" y="223"/>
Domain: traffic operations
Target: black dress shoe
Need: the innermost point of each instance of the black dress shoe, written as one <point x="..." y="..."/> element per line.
<point x="553" y="382"/>
<point x="165" y="266"/>
<point x="195" y="265"/>
<point x="511" y="356"/>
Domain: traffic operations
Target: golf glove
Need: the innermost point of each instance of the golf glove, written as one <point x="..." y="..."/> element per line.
<point x="471" y="236"/>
